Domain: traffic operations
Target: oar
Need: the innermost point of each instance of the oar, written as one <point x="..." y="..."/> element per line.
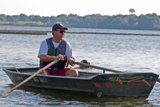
<point x="29" y="78"/>
<point x="98" y="67"/>
<point x="158" y="80"/>
<point x="102" y="68"/>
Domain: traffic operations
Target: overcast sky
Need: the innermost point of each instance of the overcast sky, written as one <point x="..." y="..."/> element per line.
<point x="79" y="7"/>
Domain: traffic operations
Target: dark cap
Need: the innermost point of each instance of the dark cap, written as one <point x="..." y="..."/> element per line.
<point x="59" y="26"/>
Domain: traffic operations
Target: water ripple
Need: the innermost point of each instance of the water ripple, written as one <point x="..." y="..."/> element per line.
<point x="121" y="52"/>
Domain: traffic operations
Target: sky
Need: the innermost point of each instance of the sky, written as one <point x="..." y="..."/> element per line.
<point x="79" y="7"/>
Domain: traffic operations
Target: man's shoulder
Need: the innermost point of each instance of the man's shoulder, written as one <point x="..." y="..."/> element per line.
<point x="48" y="39"/>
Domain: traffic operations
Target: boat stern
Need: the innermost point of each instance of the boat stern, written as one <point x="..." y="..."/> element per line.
<point x="124" y="85"/>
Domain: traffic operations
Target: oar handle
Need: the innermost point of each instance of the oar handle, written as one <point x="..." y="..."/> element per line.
<point x="29" y="78"/>
<point x="98" y="67"/>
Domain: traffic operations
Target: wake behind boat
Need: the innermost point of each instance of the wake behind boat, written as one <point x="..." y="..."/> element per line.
<point x="112" y="85"/>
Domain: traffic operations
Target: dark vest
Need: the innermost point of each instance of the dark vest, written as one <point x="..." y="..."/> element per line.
<point x="52" y="51"/>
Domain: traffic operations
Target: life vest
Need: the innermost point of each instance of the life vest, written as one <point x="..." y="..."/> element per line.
<point x="52" y="51"/>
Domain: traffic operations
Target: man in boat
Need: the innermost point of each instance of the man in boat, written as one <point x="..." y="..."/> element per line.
<point x="56" y="48"/>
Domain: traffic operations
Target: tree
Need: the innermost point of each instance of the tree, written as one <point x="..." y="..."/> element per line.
<point x="132" y="11"/>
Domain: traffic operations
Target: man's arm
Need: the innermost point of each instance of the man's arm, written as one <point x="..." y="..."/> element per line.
<point x="70" y="54"/>
<point x="48" y="58"/>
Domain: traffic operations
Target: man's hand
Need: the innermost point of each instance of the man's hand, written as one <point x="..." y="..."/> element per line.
<point x="59" y="57"/>
<point x="71" y="61"/>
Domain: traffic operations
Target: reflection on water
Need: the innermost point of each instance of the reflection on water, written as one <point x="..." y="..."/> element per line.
<point x="120" y="52"/>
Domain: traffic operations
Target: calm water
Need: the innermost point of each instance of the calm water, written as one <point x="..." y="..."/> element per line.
<point x="121" y="52"/>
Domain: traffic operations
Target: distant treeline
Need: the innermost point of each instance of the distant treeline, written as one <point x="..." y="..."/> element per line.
<point x="132" y="21"/>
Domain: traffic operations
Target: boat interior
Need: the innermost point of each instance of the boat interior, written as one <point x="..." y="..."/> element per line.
<point x="82" y="73"/>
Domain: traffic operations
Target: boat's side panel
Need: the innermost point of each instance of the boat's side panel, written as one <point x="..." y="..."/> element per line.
<point x="125" y="85"/>
<point x="53" y="82"/>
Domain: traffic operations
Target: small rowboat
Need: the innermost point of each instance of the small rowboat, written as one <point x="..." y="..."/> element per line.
<point x="109" y="85"/>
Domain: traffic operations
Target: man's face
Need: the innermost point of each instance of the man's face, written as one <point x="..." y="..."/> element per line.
<point x="59" y="34"/>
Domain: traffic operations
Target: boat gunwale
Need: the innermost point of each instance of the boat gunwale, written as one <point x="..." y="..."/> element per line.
<point x="49" y="76"/>
<point x="68" y="77"/>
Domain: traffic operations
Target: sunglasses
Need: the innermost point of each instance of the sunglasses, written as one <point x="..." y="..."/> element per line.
<point x="61" y="31"/>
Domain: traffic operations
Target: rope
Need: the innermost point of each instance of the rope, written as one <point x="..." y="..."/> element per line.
<point x="122" y="80"/>
<point x="17" y="70"/>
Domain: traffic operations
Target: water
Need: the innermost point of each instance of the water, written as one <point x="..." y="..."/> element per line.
<point x="120" y="52"/>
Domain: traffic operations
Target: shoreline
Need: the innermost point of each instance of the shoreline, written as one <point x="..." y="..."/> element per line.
<point x="46" y="32"/>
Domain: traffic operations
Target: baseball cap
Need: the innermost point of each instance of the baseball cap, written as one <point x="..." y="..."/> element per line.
<point x="59" y="26"/>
